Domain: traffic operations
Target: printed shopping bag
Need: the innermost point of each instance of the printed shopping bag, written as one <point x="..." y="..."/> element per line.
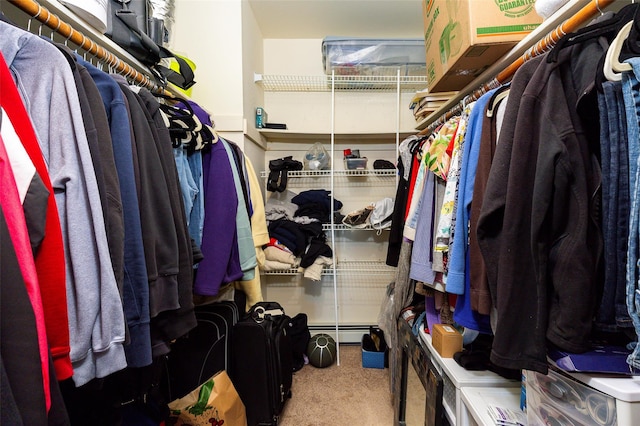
<point x="215" y="402"/>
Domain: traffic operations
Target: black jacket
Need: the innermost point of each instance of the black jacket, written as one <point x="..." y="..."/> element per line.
<point x="537" y="228"/>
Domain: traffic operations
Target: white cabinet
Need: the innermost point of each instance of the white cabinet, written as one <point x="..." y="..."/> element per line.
<point x="458" y="410"/>
<point x="343" y="112"/>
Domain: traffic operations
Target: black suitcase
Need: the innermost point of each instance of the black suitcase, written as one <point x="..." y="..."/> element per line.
<point x="262" y="367"/>
<point x="203" y="352"/>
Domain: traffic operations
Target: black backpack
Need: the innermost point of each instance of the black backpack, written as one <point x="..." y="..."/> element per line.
<point x="300" y="336"/>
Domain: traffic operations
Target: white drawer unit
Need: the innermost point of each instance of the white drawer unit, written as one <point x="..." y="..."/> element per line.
<point x="475" y="401"/>
<point x="582" y="399"/>
<point x="456" y="378"/>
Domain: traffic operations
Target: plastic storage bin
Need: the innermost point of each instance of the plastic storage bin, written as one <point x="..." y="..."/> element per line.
<point x="363" y="56"/>
<point x="355" y="163"/>
<point x="371" y="359"/>
<point x="563" y="400"/>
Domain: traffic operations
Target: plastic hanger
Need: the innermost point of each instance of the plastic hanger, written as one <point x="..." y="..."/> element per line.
<point x="497" y="97"/>
<point x="612" y="65"/>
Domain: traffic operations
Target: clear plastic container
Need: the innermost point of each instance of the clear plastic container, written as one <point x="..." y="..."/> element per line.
<point x="355" y="163"/>
<point x="363" y="56"/>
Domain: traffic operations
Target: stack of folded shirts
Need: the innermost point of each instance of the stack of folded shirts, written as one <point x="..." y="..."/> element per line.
<point x="424" y="103"/>
<point x="278" y="257"/>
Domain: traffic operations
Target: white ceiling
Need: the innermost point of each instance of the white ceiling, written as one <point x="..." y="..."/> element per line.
<point x="349" y="18"/>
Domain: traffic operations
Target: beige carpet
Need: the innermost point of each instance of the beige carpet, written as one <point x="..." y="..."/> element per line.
<point x="345" y="395"/>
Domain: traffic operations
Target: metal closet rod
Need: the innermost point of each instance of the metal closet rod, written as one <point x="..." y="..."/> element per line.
<point x="571" y="24"/>
<point x="37" y="11"/>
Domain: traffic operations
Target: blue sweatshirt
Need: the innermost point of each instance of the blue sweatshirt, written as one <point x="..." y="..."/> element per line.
<point x="458" y="281"/>
<point x="136" y="283"/>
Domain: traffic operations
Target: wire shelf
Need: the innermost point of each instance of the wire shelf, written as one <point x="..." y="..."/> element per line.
<point x="323" y="83"/>
<point x="368" y="267"/>
<point x="343" y="227"/>
<point x="336" y="173"/>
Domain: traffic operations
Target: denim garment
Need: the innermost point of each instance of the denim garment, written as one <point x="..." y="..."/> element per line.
<point x="631" y="87"/>
<point x="624" y="207"/>
<point x="605" y="316"/>
<point x="196" y="221"/>
<point x="612" y="312"/>
<point x="620" y="193"/>
<point x="187" y="184"/>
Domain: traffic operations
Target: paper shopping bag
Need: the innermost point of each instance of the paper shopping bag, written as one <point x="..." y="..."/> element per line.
<point x="215" y="402"/>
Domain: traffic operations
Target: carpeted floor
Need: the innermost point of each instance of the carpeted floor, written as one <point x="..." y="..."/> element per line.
<point x="345" y="395"/>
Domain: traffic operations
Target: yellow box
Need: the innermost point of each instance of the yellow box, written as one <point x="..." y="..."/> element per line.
<point x="464" y="37"/>
<point x="446" y="340"/>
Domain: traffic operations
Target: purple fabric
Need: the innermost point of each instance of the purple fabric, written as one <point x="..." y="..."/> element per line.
<point x="221" y="263"/>
<point x="202" y="115"/>
<point x="433" y="316"/>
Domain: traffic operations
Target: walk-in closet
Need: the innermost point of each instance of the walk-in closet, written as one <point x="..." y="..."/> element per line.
<point x="308" y="212"/>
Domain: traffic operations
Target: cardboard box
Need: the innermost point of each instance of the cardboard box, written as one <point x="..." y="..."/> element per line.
<point x="446" y="340"/>
<point x="464" y="37"/>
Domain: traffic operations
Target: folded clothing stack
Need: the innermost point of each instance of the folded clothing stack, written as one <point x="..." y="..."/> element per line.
<point x="278" y="257"/>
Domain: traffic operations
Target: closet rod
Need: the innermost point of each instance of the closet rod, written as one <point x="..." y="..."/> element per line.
<point x="37" y="11"/>
<point x="571" y="24"/>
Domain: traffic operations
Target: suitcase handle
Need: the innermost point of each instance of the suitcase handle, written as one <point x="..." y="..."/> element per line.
<point x="260" y="313"/>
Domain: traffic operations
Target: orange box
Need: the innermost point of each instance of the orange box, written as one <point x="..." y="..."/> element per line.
<point x="464" y="37"/>
<point x="446" y="340"/>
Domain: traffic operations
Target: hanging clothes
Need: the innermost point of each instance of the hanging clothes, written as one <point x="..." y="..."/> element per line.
<point x="32" y="356"/>
<point x="221" y="263"/>
<point x="49" y="257"/>
<point x="96" y="129"/>
<point x="53" y="106"/>
<point x="443" y="228"/>
<point x="552" y="230"/>
<point x="612" y="312"/>
<point x="135" y="284"/>
<point x="177" y="322"/>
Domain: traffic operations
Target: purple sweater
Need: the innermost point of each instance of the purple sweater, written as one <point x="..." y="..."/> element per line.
<point x="221" y="263"/>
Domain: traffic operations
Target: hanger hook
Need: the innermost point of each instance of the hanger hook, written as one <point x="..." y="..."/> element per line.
<point x="42" y="24"/>
<point x="127" y="70"/>
<point x="66" y="41"/>
<point x="599" y="9"/>
<point x="81" y="43"/>
<point x="466" y="100"/>
<point x="88" y="51"/>
<point x="34" y="17"/>
<point x="113" y="61"/>
<point x="57" y="28"/>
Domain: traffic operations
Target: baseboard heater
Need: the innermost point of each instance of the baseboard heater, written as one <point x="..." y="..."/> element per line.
<point x="348" y="334"/>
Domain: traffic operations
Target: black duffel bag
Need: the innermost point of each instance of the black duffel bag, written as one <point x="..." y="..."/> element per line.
<point x="128" y="26"/>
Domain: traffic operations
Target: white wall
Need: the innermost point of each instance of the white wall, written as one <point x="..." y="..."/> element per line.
<point x="209" y="32"/>
<point x="253" y="58"/>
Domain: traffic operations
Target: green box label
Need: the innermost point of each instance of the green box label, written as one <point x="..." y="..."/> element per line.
<point x="428" y="34"/>
<point x="506" y="29"/>
<point x="515" y="8"/>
